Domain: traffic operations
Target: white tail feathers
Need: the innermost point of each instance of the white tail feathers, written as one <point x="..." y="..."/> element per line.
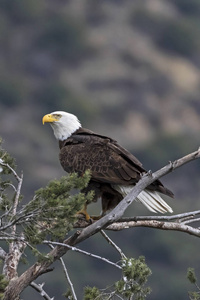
<point x="151" y="199"/>
<point x="154" y="202"/>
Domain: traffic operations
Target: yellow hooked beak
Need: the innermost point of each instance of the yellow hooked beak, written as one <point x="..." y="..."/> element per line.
<point x="49" y="118"/>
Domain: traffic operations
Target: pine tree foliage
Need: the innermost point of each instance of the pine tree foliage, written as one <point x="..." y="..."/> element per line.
<point x="7" y="164"/>
<point x="3" y="285"/>
<point x="92" y="293"/>
<point x="7" y="159"/>
<point x="193" y="279"/>
<point x="53" y="209"/>
<point x="135" y="274"/>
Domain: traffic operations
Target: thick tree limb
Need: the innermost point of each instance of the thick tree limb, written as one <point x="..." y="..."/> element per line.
<point x="16" y="286"/>
<point x="155" y="224"/>
<point x="12" y="259"/>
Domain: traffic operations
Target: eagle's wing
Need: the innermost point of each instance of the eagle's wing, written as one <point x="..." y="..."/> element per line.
<point x="102" y="157"/>
<point x="105" y="158"/>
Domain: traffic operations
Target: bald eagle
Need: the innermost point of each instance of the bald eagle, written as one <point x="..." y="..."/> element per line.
<point x="114" y="170"/>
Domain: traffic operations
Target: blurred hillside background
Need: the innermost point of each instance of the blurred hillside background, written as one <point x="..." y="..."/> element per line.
<point x="128" y="69"/>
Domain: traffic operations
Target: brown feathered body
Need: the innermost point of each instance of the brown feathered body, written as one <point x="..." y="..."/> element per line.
<point x="112" y="168"/>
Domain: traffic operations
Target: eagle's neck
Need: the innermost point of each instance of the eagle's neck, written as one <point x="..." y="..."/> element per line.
<point x="63" y="143"/>
<point x="63" y="130"/>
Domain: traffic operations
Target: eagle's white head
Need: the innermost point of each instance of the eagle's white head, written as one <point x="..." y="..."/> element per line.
<point x="64" y="124"/>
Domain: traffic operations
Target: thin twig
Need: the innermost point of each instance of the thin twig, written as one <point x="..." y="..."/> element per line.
<point x="12" y="186"/>
<point x="67" y="276"/>
<point x="68" y="279"/>
<point x="16" y="200"/>
<point x="191" y="221"/>
<point x="11" y="169"/>
<point x="108" y="239"/>
<point x="8" y="225"/>
<point x="4" y="216"/>
<point x="161" y="218"/>
<point x="83" y="252"/>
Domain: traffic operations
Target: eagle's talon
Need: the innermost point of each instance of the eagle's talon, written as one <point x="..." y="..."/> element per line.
<point x="85" y="214"/>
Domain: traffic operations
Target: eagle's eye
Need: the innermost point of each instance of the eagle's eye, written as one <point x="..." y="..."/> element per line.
<point x="57" y="116"/>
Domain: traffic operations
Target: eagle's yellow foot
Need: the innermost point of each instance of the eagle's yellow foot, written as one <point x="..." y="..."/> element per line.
<point x="84" y="213"/>
<point x="95" y="218"/>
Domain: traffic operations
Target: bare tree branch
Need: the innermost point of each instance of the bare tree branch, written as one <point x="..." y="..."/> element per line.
<point x="39" y="288"/>
<point x="123" y="256"/>
<point x="16" y="247"/>
<point x="11" y="169"/>
<point x="155" y="224"/>
<point x="191" y="221"/>
<point x="18" y="192"/>
<point x="67" y="276"/>
<point x="180" y="217"/>
<point x="12" y="259"/>
<point x="82" y="252"/>
<point x="68" y="279"/>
